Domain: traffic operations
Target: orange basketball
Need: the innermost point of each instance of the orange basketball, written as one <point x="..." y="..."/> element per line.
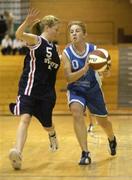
<point x="99" y="59"/>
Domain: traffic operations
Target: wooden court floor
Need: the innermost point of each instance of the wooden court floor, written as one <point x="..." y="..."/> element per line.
<point x="41" y="164"/>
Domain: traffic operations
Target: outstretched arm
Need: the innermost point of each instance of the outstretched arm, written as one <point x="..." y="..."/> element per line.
<point x="31" y="18"/>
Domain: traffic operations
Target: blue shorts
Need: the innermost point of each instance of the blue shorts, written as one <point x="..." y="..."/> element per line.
<point x="41" y="109"/>
<point x="94" y="101"/>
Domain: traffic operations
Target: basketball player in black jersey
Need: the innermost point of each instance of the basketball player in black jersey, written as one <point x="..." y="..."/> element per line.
<point x="36" y="94"/>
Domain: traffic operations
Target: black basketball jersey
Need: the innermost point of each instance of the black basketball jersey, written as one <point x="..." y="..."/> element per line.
<point x="40" y="69"/>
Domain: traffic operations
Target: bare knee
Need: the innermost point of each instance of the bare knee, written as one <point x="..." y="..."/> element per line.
<point x="25" y="119"/>
<point x="103" y="121"/>
<point x="77" y="111"/>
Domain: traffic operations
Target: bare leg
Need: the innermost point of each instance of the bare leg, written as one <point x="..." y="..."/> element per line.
<point x="79" y="125"/>
<point x="90" y="118"/>
<point x="80" y="131"/>
<point x="15" y="153"/>
<point x="91" y="122"/>
<point x="50" y="130"/>
<point x="52" y="137"/>
<point x="107" y="126"/>
<point x="22" y="132"/>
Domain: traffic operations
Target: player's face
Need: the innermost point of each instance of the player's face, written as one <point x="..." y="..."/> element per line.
<point x="76" y="34"/>
<point x="53" y="32"/>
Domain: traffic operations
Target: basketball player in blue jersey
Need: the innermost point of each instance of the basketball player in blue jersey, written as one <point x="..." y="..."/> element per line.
<point x="84" y="90"/>
<point x="36" y="94"/>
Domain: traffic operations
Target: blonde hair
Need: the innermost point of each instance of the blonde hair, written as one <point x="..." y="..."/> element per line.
<point x="49" y="21"/>
<point x="79" y="23"/>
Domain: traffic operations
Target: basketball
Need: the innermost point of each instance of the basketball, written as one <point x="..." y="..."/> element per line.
<point x="99" y="59"/>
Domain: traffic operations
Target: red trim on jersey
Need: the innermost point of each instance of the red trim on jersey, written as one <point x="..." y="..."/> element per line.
<point x="31" y="73"/>
<point x="17" y="106"/>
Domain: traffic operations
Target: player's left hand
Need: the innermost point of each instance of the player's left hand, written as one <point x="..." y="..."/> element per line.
<point x="32" y="17"/>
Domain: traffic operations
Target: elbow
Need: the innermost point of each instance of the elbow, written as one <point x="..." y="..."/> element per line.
<point x="69" y="80"/>
<point x="18" y="35"/>
<point x="67" y="77"/>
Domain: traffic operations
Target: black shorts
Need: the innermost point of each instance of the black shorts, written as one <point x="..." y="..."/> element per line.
<point x="41" y="109"/>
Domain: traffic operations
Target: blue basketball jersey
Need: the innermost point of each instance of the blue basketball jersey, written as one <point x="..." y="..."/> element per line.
<point x="87" y="81"/>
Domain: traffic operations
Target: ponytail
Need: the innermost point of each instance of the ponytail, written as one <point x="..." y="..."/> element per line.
<point x="37" y="28"/>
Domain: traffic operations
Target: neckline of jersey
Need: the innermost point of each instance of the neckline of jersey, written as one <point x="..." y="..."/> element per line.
<point x="50" y="43"/>
<point x="77" y="55"/>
